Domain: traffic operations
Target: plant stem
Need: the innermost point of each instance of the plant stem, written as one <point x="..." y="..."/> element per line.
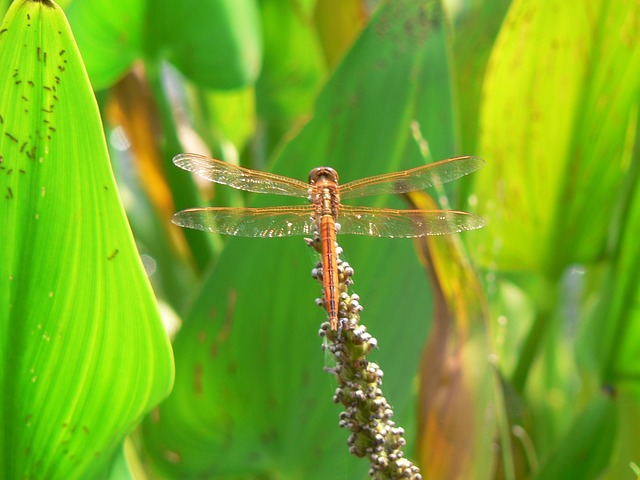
<point x="546" y="299"/>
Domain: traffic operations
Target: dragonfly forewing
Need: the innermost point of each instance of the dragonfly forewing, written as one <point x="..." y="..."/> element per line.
<point x="239" y="177"/>
<point x="385" y="222"/>
<point x="249" y="222"/>
<point x="411" y="180"/>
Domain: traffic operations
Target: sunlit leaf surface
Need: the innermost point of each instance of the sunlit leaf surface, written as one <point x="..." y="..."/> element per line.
<point x="214" y="43"/>
<point x="555" y="122"/>
<point x="109" y="35"/>
<point x="84" y="355"/>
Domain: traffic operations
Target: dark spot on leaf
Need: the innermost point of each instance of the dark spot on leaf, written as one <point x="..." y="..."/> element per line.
<point x="22" y="171"/>
<point x="39" y="51"/>
<point x="3" y="30"/>
<point x="25" y="98"/>
<point x="22" y="147"/>
<point x="46" y="88"/>
<point x="52" y="129"/>
<point x="9" y="171"/>
<point x="18" y="82"/>
<point x="28" y="17"/>
<point x="47" y="111"/>
<point x="62" y="52"/>
<point x="46" y="3"/>
<point x="1" y="119"/>
<point x="11" y="137"/>
<point x="113" y="254"/>
<point x="9" y="194"/>
<point x="31" y="83"/>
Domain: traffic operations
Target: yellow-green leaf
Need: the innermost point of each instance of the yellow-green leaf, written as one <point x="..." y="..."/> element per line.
<point x="554" y="126"/>
<point x="83" y="352"/>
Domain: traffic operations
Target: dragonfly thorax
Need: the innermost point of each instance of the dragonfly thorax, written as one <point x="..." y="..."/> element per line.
<point x="323" y="191"/>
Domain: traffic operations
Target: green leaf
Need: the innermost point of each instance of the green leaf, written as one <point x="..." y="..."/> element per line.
<point x="476" y="29"/>
<point x="585" y="449"/>
<point x="293" y="67"/>
<point x="83" y="352"/>
<point x="214" y="43"/>
<point x="558" y="102"/>
<point x="338" y="25"/>
<point x="627" y="449"/>
<point x="251" y="395"/>
<point x="109" y="35"/>
<point x="610" y="338"/>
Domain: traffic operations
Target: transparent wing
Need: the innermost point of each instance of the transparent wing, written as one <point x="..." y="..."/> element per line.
<point x="239" y="177"/>
<point x="384" y="222"/>
<point x="417" y="178"/>
<point x="249" y="222"/>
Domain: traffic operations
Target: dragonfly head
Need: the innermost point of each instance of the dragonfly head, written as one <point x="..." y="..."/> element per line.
<point x="326" y="173"/>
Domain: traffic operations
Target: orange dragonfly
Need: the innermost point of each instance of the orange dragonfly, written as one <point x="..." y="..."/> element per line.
<point x="327" y="215"/>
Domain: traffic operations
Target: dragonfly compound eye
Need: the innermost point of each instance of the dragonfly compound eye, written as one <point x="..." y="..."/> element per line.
<point x="323" y="172"/>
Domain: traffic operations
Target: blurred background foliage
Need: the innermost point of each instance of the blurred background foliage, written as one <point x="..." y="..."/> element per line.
<point x="510" y="352"/>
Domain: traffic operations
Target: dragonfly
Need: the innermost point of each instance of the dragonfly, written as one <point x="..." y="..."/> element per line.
<point x="326" y="216"/>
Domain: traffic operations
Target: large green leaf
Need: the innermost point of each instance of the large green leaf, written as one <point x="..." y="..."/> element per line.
<point x="476" y="27"/>
<point x="610" y="338"/>
<point x="83" y="352"/>
<point x="109" y="35"/>
<point x="585" y="449"/>
<point x="627" y="449"/>
<point x="555" y="118"/>
<point x="214" y="43"/>
<point x="293" y="67"/>
<point x="250" y="394"/>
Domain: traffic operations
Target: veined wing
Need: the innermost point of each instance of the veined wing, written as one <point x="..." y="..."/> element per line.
<point x="385" y="222"/>
<point x="414" y="179"/>
<point x="249" y="222"/>
<point x="239" y="177"/>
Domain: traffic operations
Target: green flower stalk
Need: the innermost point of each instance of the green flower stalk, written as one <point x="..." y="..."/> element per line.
<point x="368" y="415"/>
